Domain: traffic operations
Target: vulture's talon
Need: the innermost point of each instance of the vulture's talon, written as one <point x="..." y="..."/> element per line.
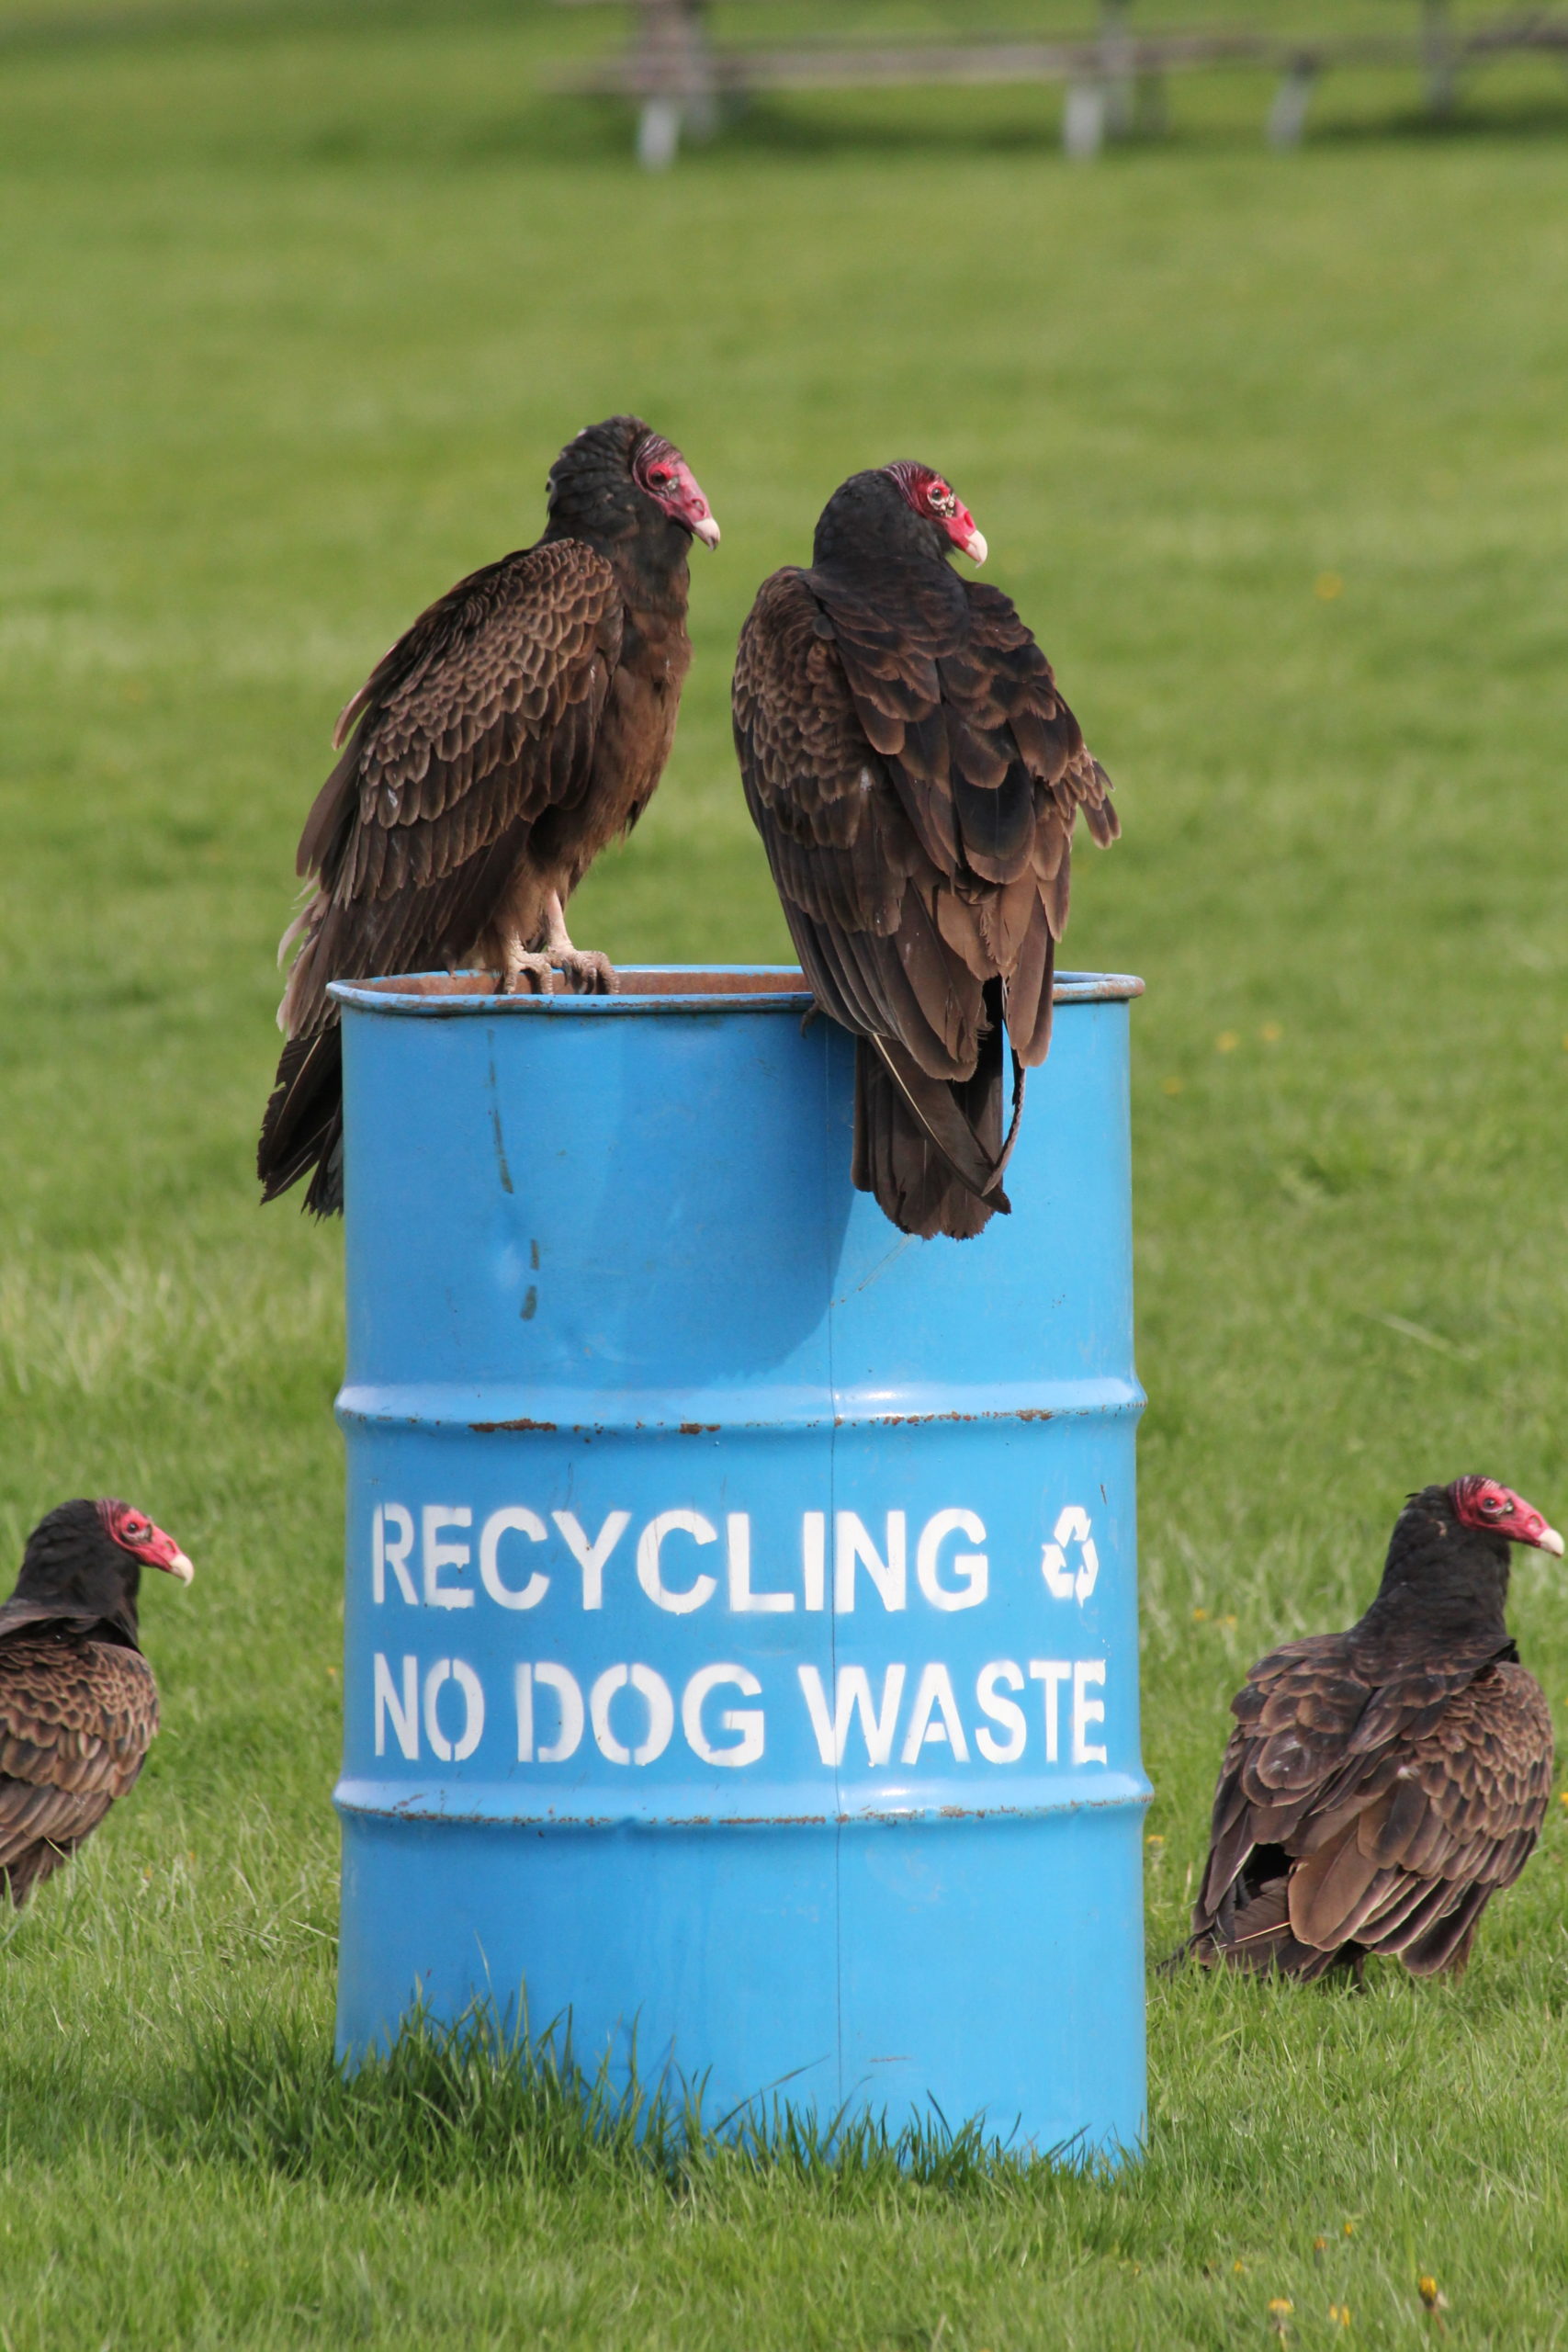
<point x="535" y="971"/>
<point x="588" y="973"/>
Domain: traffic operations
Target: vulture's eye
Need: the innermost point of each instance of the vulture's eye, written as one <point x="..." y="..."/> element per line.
<point x="660" y="480"/>
<point x="942" y="502"/>
<point x="135" y="1529"/>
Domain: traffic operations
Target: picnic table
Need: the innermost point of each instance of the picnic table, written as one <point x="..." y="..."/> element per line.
<point x="680" y="79"/>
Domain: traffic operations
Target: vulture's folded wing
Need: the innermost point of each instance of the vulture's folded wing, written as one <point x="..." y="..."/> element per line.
<point x="1295" y="1714"/>
<point x="989" y="769"/>
<point x="76" y="1719"/>
<point x="483" y="715"/>
<point x="1409" y="1848"/>
<point x="859" y="888"/>
<point x="1401" y="1807"/>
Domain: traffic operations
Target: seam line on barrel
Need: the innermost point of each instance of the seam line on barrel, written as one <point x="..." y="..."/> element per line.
<point x="829" y="1292"/>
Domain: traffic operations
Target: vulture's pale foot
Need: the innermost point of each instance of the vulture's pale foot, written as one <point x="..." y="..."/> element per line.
<point x="585" y="970"/>
<point x="534" y="971"/>
<point x="588" y="972"/>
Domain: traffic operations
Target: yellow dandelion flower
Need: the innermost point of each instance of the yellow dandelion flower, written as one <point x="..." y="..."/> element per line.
<point x="1271" y="1033"/>
<point x="1320" y="2247"/>
<point x="1226" y="1042"/>
<point x="1326" y="587"/>
<point x="1339" y="2313"/>
<point x="1170" y="1085"/>
<point x="1199" y="1616"/>
<point x="1239" y="2266"/>
<point x="1281" y="2306"/>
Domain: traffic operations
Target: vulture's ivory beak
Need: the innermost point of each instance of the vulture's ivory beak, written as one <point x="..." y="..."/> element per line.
<point x="1548" y="1540"/>
<point x="706" y="531"/>
<point x="974" y="546"/>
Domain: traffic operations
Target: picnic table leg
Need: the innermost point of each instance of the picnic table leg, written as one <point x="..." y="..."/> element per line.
<point x="1117" y="66"/>
<point x="1151" y="107"/>
<point x="1083" y="121"/>
<point x="675" y="65"/>
<point x="1438" y="57"/>
<point x="1287" y="115"/>
<point x="658" y="133"/>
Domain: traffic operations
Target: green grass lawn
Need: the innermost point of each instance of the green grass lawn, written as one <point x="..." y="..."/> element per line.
<point x="1272" y="452"/>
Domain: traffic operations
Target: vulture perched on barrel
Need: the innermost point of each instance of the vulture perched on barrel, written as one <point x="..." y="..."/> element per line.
<point x="916" y="777"/>
<point x="78" y="1704"/>
<point x="520" y="725"/>
<point x="1380" y="1785"/>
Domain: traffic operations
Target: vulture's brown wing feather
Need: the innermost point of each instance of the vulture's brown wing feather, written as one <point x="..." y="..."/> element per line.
<point x="76" y="1719"/>
<point x="991" y="768"/>
<point x="860" y="894"/>
<point x="841" y="849"/>
<point x="1455" y="1820"/>
<point x="1396" y="1809"/>
<point x="1296" y="1710"/>
<point x="914" y="775"/>
<point x="483" y="715"/>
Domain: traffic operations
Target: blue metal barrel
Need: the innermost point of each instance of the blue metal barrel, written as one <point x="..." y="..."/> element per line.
<point x="741" y="1637"/>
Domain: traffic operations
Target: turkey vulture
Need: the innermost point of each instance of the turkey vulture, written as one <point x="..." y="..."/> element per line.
<point x="517" y="727"/>
<point x="78" y="1704"/>
<point x="915" y="776"/>
<point x="1380" y="1785"/>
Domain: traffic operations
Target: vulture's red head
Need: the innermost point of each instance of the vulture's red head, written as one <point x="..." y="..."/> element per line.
<point x="617" y="485"/>
<point x="1444" y="1581"/>
<point x="1481" y="1503"/>
<point x="935" y="501"/>
<point x="136" y="1534"/>
<point x="662" y="474"/>
<point x="86" y="1561"/>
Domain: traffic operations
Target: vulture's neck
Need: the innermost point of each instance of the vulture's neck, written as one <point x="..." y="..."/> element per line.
<point x="1441" y="1601"/>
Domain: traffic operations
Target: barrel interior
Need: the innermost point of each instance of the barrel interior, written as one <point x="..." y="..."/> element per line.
<point x="681" y="987"/>
<point x="657" y="980"/>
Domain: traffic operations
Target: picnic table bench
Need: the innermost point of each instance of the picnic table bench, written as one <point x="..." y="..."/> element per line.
<point x="680" y="79"/>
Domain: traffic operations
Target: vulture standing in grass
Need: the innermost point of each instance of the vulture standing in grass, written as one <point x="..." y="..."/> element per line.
<point x="519" y="726"/>
<point x="1380" y="1785"/>
<point x="916" y="777"/>
<point x="78" y="1704"/>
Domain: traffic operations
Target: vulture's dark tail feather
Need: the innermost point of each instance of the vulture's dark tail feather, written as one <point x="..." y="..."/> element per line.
<point x="932" y="1151"/>
<point x="1253" y="1935"/>
<point x="33" y="1866"/>
<point x="302" y="1130"/>
<point x="1444" y="1948"/>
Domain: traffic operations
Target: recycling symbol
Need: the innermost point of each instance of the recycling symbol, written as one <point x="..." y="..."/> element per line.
<point x="1072" y="1527"/>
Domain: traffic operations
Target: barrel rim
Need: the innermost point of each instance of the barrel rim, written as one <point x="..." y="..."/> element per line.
<point x="666" y="989"/>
